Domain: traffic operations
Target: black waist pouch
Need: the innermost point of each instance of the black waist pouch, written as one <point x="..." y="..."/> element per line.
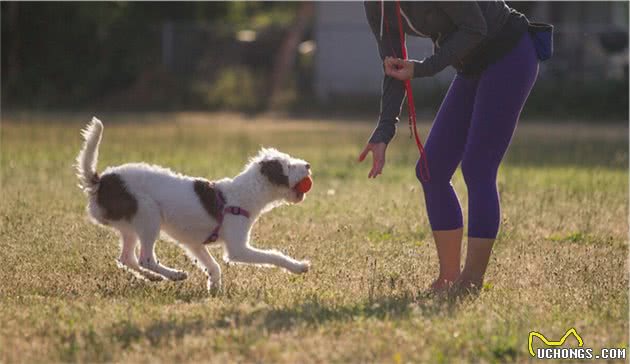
<point x="494" y="48"/>
<point x="542" y="35"/>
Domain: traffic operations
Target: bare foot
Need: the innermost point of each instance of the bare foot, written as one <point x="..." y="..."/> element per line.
<point x="441" y="285"/>
<point x="464" y="287"/>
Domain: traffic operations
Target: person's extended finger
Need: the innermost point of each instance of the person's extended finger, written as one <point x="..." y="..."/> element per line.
<point x="379" y="168"/>
<point x="379" y="163"/>
<point x="364" y="153"/>
<point x="373" y="170"/>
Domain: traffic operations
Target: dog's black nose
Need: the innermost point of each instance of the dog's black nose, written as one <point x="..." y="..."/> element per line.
<point x="308" y="166"/>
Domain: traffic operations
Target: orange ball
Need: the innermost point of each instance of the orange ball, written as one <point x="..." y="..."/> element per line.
<point x="304" y="185"/>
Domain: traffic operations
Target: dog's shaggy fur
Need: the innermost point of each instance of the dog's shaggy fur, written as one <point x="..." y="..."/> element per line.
<point x="140" y="200"/>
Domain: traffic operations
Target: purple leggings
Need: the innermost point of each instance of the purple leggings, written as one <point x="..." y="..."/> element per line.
<point x="474" y="126"/>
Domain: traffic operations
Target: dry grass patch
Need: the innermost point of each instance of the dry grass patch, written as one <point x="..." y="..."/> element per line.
<point x="560" y="260"/>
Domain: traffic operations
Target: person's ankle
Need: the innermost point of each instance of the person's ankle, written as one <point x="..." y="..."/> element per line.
<point x="443" y="282"/>
<point x="470" y="281"/>
<point x="449" y="276"/>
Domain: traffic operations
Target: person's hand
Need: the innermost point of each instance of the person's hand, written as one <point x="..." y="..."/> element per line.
<point x="397" y="68"/>
<point x="378" y="157"/>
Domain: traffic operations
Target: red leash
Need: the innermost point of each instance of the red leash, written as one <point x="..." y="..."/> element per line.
<point x="411" y="108"/>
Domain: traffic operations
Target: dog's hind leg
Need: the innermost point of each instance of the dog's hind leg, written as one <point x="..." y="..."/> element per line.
<point x="128" y="259"/>
<point x="207" y="262"/>
<point x="147" y="225"/>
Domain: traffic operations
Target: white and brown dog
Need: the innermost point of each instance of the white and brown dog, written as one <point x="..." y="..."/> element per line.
<point x="140" y="200"/>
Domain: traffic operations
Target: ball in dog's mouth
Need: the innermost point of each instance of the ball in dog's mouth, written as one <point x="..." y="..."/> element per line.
<point x="302" y="187"/>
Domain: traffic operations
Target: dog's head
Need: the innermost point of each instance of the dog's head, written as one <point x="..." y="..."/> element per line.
<point x="282" y="172"/>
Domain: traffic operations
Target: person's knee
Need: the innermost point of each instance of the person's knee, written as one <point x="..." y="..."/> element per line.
<point x="436" y="181"/>
<point x="419" y="172"/>
<point x="426" y="179"/>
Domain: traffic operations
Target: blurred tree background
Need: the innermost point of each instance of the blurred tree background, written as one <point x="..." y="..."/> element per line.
<point x="112" y="54"/>
<point x="246" y="56"/>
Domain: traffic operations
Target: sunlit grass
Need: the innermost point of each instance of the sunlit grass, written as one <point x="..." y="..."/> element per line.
<point x="560" y="260"/>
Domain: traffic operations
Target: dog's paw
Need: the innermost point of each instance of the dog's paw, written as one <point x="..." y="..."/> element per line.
<point x="151" y="276"/>
<point x="178" y="276"/>
<point x="302" y="267"/>
<point x="215" y="287"/>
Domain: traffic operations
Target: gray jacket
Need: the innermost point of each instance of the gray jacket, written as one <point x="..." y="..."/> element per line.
<point x="456" y="29"/>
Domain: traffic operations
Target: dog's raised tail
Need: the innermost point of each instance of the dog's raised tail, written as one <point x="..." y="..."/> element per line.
<point x="88" y="156"/>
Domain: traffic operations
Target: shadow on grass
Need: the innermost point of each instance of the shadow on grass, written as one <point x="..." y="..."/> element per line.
<point x="310" y="313"/>
<point x="315" y="313"/>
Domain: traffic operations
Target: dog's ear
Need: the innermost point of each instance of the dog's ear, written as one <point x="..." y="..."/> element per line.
<point x="272" y="169"/>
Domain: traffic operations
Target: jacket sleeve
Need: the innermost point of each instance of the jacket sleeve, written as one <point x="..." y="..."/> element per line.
<point x="393" y="90"/>
<point x="471" y="30"/>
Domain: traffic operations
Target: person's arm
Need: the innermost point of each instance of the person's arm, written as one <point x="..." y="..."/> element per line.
<point x="471" y="30"/>
<point x="393" y="90"/>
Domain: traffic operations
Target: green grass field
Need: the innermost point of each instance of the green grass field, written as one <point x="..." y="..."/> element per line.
<point x="560" y="260"/>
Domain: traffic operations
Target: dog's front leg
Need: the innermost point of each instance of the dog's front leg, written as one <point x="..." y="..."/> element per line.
<point x="251" y="255"/>
<point x="239" y="251"/>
